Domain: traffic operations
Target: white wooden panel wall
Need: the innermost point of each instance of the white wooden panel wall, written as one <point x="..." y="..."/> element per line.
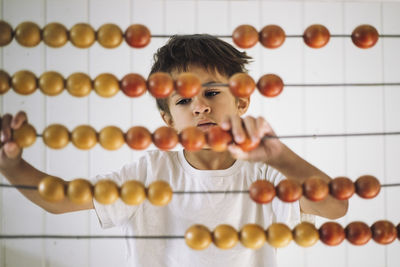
<point x="295" y="111"/>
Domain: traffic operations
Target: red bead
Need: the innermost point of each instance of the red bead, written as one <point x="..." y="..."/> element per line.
<point x="248" y="144"/>
<point x="331" y="233"/>
<point x="365" y="36"/>
<point x="315" y="189"/>
<point x="398" y="231"/>
<point x="188" y="84"/>
<point x="133" y="85"/>
<point x="358" y="233"/>
<point x="138" y="138"/>
<point x="245" y="36"/>
<point x="160" y="84"/>
<point x="383" y="232"/>
<point x="289" y="190"/>
<point x="316" y="36"/>
<point x="137" y="35"/>
<point x="272" y="36"/>
<point x="218" y="139"/>
<point x="192" y="138"/>
<point x="262" y="191"/>
<point x="241" y="85"/>
<point x="367" y="186"/>
<point x="165" y="138"/>
<point x="341" y="188"/>
<point x="270" y="85"/>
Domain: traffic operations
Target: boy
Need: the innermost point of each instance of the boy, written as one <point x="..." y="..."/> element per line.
<point x="213" y="61"/>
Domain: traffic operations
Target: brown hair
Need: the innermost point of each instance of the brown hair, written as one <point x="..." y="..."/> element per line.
<point x="209" y="52"/>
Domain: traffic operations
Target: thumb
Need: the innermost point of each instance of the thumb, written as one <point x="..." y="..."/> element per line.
<point x="12" y="150"/>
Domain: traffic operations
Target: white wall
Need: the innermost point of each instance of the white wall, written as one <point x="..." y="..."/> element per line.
<point x="295" y="111"/>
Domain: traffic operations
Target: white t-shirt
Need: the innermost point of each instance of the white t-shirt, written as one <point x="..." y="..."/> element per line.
<point x="184" y="210"/>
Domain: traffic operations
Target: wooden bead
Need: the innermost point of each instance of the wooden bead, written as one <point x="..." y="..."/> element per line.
<point x="24" y="82"/>
<point x="270" y="85"/>
<point x="358" y="233"/>
<point x="106" y="192"/>
<point x="305" y="234"/>
<point x="109" y="35"/>
<point x="160" y="84"/>
<point x="51" y="83"/>
<point x="383" y="232"/>
<point x="225" y="236"/>
<point x="138" y="138"/>
<point x="25" y="136"/>
<point x="315" y="189"/>
<point x="252" y="236"/>
<point x="289" y="190"/>
<point x="218" y="139"/>
<point x="198" y="237"/>
<point x="137" y="35"/>
<point x="56" y="136"/>
<point x="245" y="36"/>
<point x="365" y="36"/>
<point x="316" y="36"/>
<point x="262" y="191"/>
<point x="106" y="85"/>
<point x="367" y="186"/>
<point x="249" y="144"/>
<point x="4" y="82"/>
<point x="133" y="85"/>
<point x="133" y="192"/>
<point x="272" y="36"/>
<point x="28" y="34"/>
<point x="79" y="84"/>
<point x="159" y="193"/>
<point x="188" y="84"/>
<point x="279" y="235"/>
<point x="52" y="189"/>
<point x="82" y="35"/>
<point x="241" y="85"/>
<point x="342" y="188"/>
<point x="55" y="35"/>
<point x="331" y="233"/>
<point x="111" y="138"/>
<point x="165" y="138"/>
<point x="192" y="138"/>
<point x="80" y="191"/>
<point x="6" y="33"/>
<point x="84" y="137"/>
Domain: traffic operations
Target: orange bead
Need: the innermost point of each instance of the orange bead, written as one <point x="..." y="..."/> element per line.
<point x="109" y="35"/>
<point x="188" y="84"/>
<point x="225" y="236"/>
<point x="358" y="233"/>
<point x="106" y="192"/>
<point x="316" y="36"/>
<point x="106" y="85"/>
<point x="55" y="35"/>
<point x="331" y="233"/>
<point x="56" y="136"/>
<point x="279" y="235"/>
<point x="28" y="34"/>
<point x="52" y="189"/>
<point x="138" y="138"/>
<point x="367" y="186"/>
<point x="24" y="136"/>
<point x="160" y="84"/>
<point x="137" y="35"/>
<point x="24" y="82"/>
<point x="82" y="35"/>
<point x="51" y="83"/>
<point x="84" y="137"/>
<point x="6" y="33"/>
<point x="192" y="138"/>
<point x="270" y="85"/>
<point x="245" y="36"/>
<point x="159" y="193"/>
<point x="165" y="138"/>
<point x="252" y="236"/>
<point x="315" y="189"/>
<point x="5" y="81"/>
<point x="383" y="232"/>
<point x="341" y="188"/>
<point x="289" y="190"/>
<point x="365" y="36"/>
<point x="262" y="191"/>
<point x="241" y="85"/>
<point x="198" y="237"/>
<point x="111" y="138"/>
<point x="133" y="85"/>
<point x="272" y="36"/>
<point x="249" y="144"/>
<point x="79" y="84"/>
<point x="398" y="231"/>
<point x="80" y="191"/>
<point x="305" y="234"/>
<point x="218" y="139"/>
<point x="133" y="192"/>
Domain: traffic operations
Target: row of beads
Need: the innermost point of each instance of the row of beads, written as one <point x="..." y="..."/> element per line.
<point x="159" y="84"/>
<point x="279" y="235"/>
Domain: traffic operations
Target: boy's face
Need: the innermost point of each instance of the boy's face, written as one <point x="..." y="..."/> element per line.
<point x="210" y="107"/>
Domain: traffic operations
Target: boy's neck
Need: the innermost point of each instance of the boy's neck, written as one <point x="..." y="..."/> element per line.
<point x="207" y="159"/>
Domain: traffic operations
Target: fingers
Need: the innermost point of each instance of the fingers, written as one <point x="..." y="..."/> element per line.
<point x="12" y="150"/>
<point x="5" y="128"/>
<point x="19" y="119"/>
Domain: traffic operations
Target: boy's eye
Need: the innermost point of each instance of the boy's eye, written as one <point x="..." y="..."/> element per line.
<point x="183" y="101"/>
<point x="211" y="93"/>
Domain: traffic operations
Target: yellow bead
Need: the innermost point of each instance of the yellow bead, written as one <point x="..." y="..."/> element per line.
<point x="252" y="236"/>
<point x="159" y="193"/>
<point x="82" y="35"/>
<point x="56" y="136"/>
<point x="84" y="137"/>
<point x="79" y="84"/>
<point x="133" y="192"/>
<point x="6" y="33"/>
<point x="51" y="83"/>
<point x="109" y="35"/>
<point x="111" y="138"/>
<point x="25" y="136"/>
<point x="225" y="236"/>
<point x="80" y="191"/>
<point x="4" y="82"/>
<point x="106" y="85"/>
<point x="106" y="192"/>
<point x="279" y="235"/>
<point x="198" y="237"/>
<point x="305" y="234"/>
<point x="28" y="34"/>
<point x="55" y="35"/>
<point x="52" y="189"/>
<point x="24" y="82"/>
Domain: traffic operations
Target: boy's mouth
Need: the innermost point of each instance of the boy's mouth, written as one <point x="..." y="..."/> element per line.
<point x="206" y="125"/>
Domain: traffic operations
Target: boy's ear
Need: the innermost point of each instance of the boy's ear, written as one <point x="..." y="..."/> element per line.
<point x="242" y="104"/>
<point x="167" y="118"/>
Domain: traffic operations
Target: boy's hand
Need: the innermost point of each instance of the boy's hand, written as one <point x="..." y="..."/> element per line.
<point x="268" y="150"/>
<point x="10" y="152"/>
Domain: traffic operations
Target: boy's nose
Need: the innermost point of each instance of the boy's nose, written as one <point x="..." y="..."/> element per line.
<point x="200" y="107"/>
